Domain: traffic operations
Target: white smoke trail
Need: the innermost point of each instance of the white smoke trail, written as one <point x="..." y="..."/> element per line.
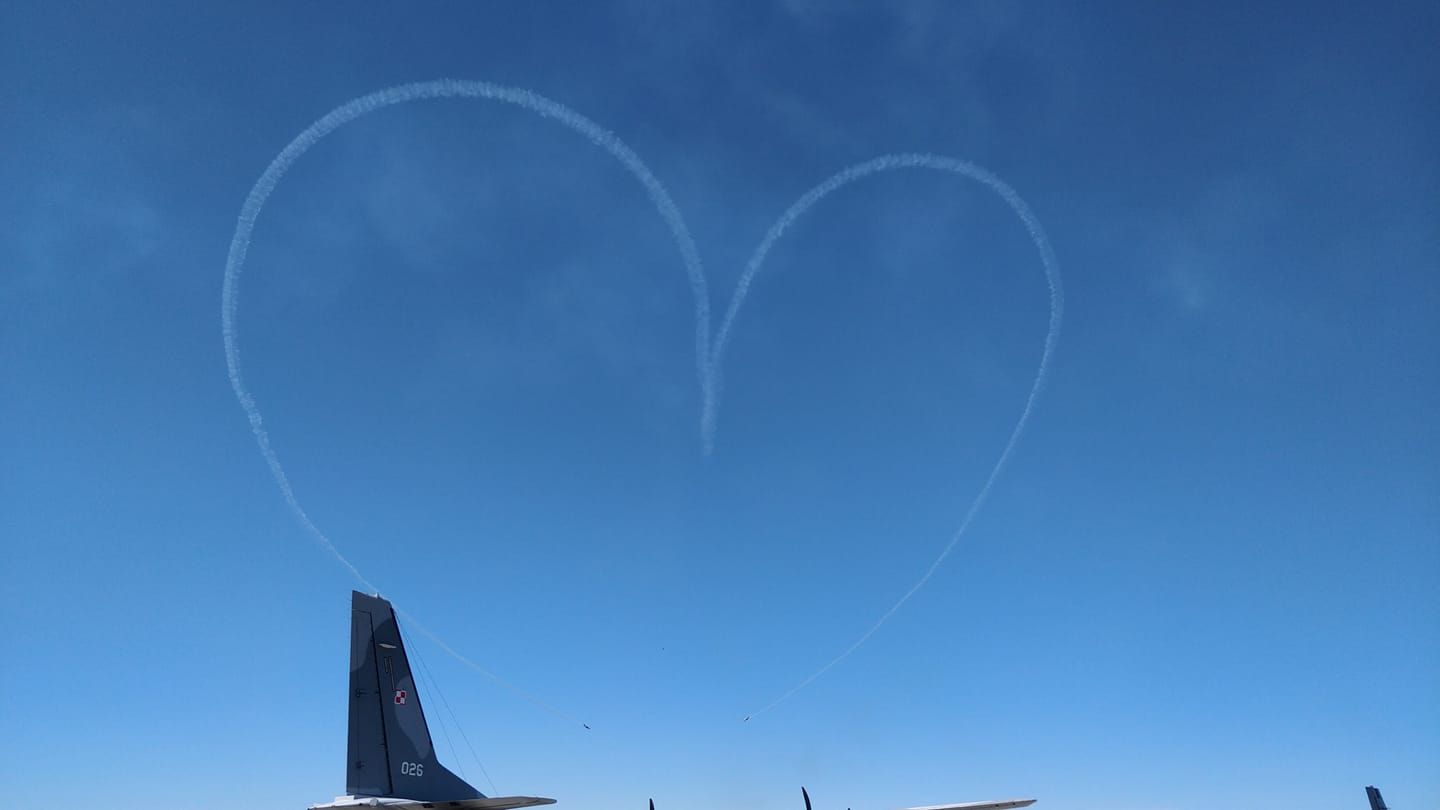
<point x="424" y="631"/>
<point x="708" y="359"/>
<point x="344" y="114"/>
<point x="1052" y="335"/>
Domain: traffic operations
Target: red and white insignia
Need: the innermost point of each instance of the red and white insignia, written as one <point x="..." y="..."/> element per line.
<point x="399" y="697"/>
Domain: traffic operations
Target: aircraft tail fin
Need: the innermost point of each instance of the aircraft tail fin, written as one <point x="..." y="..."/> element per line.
<point x="390" y="753"/>
<point x="1376" y="803"/>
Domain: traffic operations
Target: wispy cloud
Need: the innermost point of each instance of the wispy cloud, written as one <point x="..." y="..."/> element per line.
<point x="84" y="221"/>
<point x="1201" y="257"/>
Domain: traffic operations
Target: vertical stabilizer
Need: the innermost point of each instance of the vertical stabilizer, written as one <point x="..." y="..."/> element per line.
<point x="1373" y="793"/>
<point x="390" y="753"/>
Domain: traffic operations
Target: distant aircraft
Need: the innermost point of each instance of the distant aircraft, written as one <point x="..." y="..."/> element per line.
<point x="1373" y="793"/>
<point x="391" y="760"/>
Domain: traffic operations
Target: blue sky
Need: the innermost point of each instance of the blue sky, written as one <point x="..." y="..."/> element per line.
<point x="1206" y="576"/>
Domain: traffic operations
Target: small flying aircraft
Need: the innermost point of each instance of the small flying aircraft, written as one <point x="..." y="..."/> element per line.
<point x="390" y="758"/>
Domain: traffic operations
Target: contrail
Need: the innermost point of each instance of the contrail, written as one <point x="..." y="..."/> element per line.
<point x="709" y="358"/>
<point x="424" y="631"/>
<point x="401" y="94"/>
<point x="1052" y="335"/>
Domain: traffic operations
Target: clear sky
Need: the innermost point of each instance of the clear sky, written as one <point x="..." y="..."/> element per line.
<point x="1207" y="576"/>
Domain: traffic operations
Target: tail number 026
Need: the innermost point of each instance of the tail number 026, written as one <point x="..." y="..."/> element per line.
<point x="412" y="769"/>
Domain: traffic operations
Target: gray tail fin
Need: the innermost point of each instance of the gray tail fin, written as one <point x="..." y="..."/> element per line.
<point x="1376" y="803"/>
<point x="390" y="752"/>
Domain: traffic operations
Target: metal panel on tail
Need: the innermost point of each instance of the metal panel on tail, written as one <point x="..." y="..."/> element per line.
<point x="367" y="769"/>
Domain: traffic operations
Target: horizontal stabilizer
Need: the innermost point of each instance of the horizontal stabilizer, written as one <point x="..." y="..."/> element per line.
<point x="497" y="803"/>
<point x="395" y="803"/>
<point x="1005" y="805"/>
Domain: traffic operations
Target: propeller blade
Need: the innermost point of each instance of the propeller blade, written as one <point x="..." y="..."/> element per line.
<point x="807" y="797"/>
<point x="652" y="804"/>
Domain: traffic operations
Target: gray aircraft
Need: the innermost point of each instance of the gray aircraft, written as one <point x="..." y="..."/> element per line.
<point x="390" y="759"/>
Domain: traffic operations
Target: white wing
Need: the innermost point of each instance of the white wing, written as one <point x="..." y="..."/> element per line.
<point x="391" y="803"/>
<point x="1001" y="805"/>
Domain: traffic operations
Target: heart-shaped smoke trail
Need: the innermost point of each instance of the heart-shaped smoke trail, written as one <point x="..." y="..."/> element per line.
<point x="708" y="358"/>
<point x="843" y="178"/>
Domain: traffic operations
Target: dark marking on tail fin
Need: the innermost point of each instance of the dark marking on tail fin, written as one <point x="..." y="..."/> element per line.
<point x="390" y="753"/>
<point x="1376" y="803"/>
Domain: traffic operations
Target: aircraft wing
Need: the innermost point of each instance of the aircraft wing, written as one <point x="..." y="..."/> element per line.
<point x="489" y="803"/>
<point x="1001" y="805"/>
